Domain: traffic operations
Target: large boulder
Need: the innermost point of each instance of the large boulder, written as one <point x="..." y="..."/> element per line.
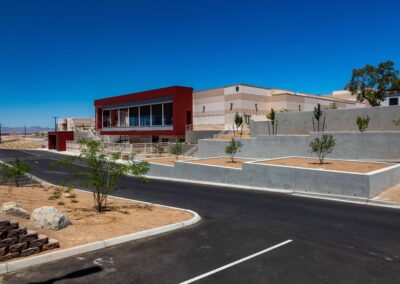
<point x="14" y="209"/>
<point x="49" y="217"/>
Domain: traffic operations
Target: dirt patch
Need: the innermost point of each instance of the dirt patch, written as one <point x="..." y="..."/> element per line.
<point x="245" y="135"/>
<point x="169" y="161"/>
<point x="88" y="226"/>
<point x="391" y="194"/>
<point x="19" y="145"/>
<point x="335" y="165"/>
<point x="223" y="162"/>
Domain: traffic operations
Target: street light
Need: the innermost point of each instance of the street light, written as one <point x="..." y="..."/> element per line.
<point x="55" y="123"/>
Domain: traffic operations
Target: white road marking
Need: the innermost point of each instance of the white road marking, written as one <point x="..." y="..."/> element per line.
<point x="235" y="262"/>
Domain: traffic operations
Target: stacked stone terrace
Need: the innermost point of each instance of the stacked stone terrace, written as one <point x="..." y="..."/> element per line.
<point x="16" y="241"/>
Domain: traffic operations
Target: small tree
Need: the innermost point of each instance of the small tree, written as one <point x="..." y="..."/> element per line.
<point x="362" y="123"/>
<point x="176" y="150"/>
<point x="158" y="149"/>
<point x="317" y="115"/>
<point x="232" y="148"/>
<point x="103" y="172"/>
<point x="238" y="123"/>
<point x="371" y="83"/>
<point x="14" y="171"/>
<point x="396" y="122"/>
<point x="272" y="117"/>
<point x="322" y="146"/>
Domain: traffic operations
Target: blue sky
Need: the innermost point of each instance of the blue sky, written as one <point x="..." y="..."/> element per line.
<point x="56" y="57"/>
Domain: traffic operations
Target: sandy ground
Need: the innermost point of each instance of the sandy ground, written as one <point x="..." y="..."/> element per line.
<point x="20" y="145"/>
<point x="391" y="194"/>
<point x="347" y="166"/>
<point x="245" y="134"/>
<point x="224" y="162"/>
<point x="169" y="161"/>
<point x="124" y="217"/>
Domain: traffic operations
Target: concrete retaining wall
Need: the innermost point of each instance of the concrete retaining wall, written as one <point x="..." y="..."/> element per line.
<point x="379" y="146"/>
<point x="336" y="120"/>
<point x="192" y="136"/>
<point x="290" y="178"/>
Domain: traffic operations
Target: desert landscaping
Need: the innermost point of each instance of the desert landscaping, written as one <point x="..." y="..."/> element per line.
<point x="221" y="162"/>
<point x="85" y="224"/>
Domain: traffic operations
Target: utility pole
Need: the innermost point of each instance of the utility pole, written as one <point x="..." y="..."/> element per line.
<point x="55" y="123"/>
<point x="0" y="133"/>
<point x="25" y="131"/>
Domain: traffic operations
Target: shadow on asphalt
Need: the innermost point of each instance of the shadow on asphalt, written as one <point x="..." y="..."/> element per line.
<point x="72" y="275"/>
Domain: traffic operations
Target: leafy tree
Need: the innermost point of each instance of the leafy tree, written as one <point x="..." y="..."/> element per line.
<point x="103" y="171"/>
<point x="318" y="114"/>
<point x="322" y="146"/>
<point x="271" y="116"/>
<point x="362" y="123"/>
<point x="176" y="150"/>
<point x="232" y="148"/>
<point x="14" y="171"/>
<point x="371" y="83"/>
<point x="238" y="123"/>
<point x="158" y="149"/>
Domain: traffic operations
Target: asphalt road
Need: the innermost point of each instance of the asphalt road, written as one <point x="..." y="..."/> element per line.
<point x="333" y="242"/>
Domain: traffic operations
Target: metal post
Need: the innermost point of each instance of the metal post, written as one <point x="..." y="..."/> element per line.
<point x="55" y="123"/>
<point x="0" y="133"/>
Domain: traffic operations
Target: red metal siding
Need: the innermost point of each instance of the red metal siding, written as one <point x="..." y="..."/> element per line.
<point x="58" y="140"/>
<point x="182" y="103"/>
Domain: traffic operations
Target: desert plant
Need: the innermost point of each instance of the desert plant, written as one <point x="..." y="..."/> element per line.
<point x="238" y="123"/>
<point x="158" y="149"/>
<point x="274" y="123"/>
<point x="61" y="203"/>
<point x="396" y="122"/>
<point x="14" y="171"/>
<point x="322" y="146"/>
<point x="74" y="201"/>
<point x="317" y="115"/>
<point x="55" y="195"/>
<point x="362" y="123"/>
<point x="232" y="148"/>
<point x="102" y="172"/>
<point x="176" y="150"/>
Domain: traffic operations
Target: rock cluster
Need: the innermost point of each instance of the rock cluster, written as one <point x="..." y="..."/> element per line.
<point x="49" y="217"/>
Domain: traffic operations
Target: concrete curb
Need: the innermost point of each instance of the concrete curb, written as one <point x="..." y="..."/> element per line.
<point x="11" y="266"/>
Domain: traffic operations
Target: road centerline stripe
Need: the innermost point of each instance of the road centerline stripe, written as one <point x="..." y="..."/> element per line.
<point x="235" y="262"/>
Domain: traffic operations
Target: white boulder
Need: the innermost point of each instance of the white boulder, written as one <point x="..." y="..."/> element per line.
<point x="14" y="209"/>
<point x="49" y="217"/>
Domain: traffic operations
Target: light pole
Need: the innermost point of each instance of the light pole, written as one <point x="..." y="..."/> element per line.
<point x="55" y="123"/>
<point x="0" y="133"/>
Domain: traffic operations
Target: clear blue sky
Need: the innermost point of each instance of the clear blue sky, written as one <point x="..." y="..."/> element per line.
<point x="56" y="57"/>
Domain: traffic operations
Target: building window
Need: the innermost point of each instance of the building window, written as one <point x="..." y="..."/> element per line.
<point x="237" y="88"/>
<point x="256" y="107"/>
<point x="106" y="118"/>
<point x="123" y="117"/>
<point x="145" y="116"/>
<point x="134" y="116"/>
<point x="168" y="114"/>
<point x="393" y="101"/>
<point x="231" y="107"/>
<point x="156" y="114"/>
<point x="204" y="108"/>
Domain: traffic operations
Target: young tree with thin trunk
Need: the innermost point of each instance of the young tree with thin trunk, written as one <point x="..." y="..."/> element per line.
<point x="14" y="171"/>
<point x="232" y="148"/>
<point x="102" y="171"/>
<point x="322" y="146"/>
<point x="176" y="150"/>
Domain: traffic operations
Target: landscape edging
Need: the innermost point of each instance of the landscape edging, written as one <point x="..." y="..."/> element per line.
<point x="11" y="266"/>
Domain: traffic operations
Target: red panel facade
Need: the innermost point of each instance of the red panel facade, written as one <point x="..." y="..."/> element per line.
<point x="182" y="98"/>
<point x="58" y="140"/>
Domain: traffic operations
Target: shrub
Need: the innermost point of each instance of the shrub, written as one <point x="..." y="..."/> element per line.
<point x="274" y="123"/>
<point x="318" y="114"/>
<point x="232" y="148"/>
<point x="176" y="150"/>
<point x="322" y="146"/>
<point x="158" y="149"/>
<point x="396" y="122"/>
<point x="238" y="120"/>
<point x="14" y="171"/>
<point x="74" y="201"/>
<point x="60" y="203"/>
<point x="362" y="123"/>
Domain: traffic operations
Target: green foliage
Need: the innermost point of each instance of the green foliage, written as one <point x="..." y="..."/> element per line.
<point x="55" y="195"/>
<point x="176" y="150"/>
<point x="362" y="123"/>
<point x="238" y="123"/>
<point x="14" y="171"/>
<point x="103" y="172"/>
<point x="232" y="148"/>
<point x="317" y="115"/>
<point x="271" y="116"/>
<point x="396" y="122"/>
<point x="158" y="149"/>
<point x="371" y="83"/>
<point x="322" y="146"/>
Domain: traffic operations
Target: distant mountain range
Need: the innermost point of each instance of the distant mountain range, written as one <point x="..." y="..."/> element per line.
<point x="30" y="129"/>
